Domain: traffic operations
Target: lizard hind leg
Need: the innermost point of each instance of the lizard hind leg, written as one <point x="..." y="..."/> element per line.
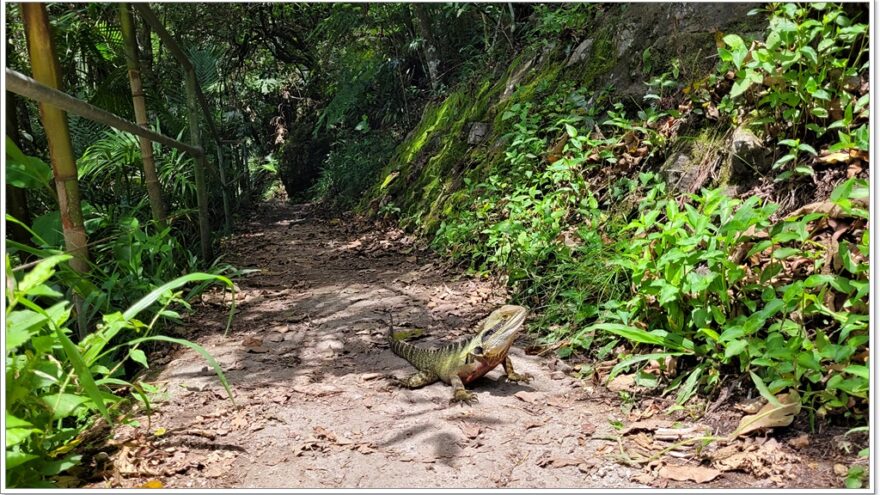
<point x="418" y="380"/>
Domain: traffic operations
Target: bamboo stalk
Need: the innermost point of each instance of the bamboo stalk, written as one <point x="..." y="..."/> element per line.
<point x="195" y="138"/>
<point x="177" y="51"/>
<point x="44" y="63"/>
<point x="151" y="178"/>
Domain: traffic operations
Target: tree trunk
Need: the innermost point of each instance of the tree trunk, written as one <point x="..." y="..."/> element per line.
<point x="430" y="46"/>
<point x="16" y="197"/>
<point x="151" y="179"/>
<point x="201" y="164"/>
<point x="44" y="63"/>
<point x="146" y="42"/>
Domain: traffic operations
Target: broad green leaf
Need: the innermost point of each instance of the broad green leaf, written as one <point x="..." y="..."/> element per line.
<point x="15" y="422"/>
<point x="785" y="252"/>
<point x="83" y="373"/>
<point x="763" y="390"/>
<point x="733" y="41"/>
<point x="40" y="273"/>
<point x="740" y="86"/>
<point x="155" y="294"/>
<point x="572" y="132"/>
<point x="26" y="172"/>
<point x="858" y="370"/>
<point x="15" y="458"/>
<point x="735" y="348"/>
<point x="64" y="404"/>
<point x="55" y="467"/>
<point x="638" y="358"/>
<point x="634" y="334"/>
<point x="138" y="356"/>
<point x="690" y="386"/>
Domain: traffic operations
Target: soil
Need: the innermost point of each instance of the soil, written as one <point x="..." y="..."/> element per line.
<point x="308" y="363"/>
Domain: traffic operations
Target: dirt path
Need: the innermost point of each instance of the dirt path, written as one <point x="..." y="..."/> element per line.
<point x="307" y="360"/>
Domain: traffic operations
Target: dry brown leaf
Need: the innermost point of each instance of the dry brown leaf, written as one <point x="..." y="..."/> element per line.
<point x="800" y="441"/>
<point x="560" y="462"/>
<point x="643" y="478"/>
<point x="322" y="433"/>
<point x="649" y="424"/>
<point x="529" y="397"/>
<point x="317" y="390"/>
<point x="834" y="158"/>
<point x="622" y="383"/>
<point x="588" y="429"/>
<point x="771" y="415"/>
<point x="698" y="474"/>
<point x="470" y="430"/>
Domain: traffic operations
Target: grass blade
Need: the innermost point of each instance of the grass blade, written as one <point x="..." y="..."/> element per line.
<point x="196" y="347"/>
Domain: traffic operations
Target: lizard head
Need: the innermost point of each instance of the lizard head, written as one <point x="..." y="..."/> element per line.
<point x="500" y="330"/>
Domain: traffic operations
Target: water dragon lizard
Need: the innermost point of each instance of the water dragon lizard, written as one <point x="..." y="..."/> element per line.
<point x="462" y="362"/>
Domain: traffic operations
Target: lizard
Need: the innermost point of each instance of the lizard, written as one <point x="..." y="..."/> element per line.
<point x="462" y="362"/>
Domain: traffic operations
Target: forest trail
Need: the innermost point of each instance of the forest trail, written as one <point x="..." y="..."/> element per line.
<point x="307" y="360"/>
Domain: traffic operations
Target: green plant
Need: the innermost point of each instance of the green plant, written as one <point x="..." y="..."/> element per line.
<point x="803" y="80"/>
<point x="54" y="386"/>
<point x="695" y="299"/>
<point x="350" y="167"/>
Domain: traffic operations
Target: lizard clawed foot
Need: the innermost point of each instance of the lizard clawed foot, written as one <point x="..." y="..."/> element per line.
<point x="519" y="377"/>
<point x="463" y="397"/>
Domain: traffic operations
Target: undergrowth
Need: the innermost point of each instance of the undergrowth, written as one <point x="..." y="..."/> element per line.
<point x="689" y="290"/>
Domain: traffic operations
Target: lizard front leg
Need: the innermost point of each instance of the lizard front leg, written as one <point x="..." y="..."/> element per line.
<point x="512" y="375"/>
<point x="417" y="380"/>
<point x="459" y="393"/>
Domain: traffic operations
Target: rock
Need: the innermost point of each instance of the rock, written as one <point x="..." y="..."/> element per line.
<point x="622" y="383"/>
<point x="330" y="345"/>
<point x="675" y="170"/>
<point x="557" y="375"/>
<point x="478" y="132"/>
<point x="580" y="53"/>
<point x="748" y="155"/>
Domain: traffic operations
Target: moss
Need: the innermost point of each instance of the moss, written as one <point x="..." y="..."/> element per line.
<point x="600" y="60"/>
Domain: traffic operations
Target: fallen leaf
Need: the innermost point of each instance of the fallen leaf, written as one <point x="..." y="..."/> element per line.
<point x="317" y="390"/>
<point x="588" y="428"/>
<point x="470" y="430"/>
<point x="643" y="478"/>
<point x="800" y="441"/>
<point x="534" y="424"/>
<point x="587" y="465"/>
<point x="529" y="397"/>
<point x="622" y="383"/>
<point x="834" y="158"/>
<point x="559" y="462"/>
<point x="649" y="424"/>
<point x="152" y="484"/>
<point x="324" y="433"/>
<point x="771" y="416"/>
<point x="698" y="474"/>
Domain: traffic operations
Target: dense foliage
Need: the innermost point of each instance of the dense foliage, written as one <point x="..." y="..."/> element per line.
<point x="699" y="287"/>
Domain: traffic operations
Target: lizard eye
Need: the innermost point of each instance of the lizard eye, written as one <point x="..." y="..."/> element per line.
<point x="477" y="350"/>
